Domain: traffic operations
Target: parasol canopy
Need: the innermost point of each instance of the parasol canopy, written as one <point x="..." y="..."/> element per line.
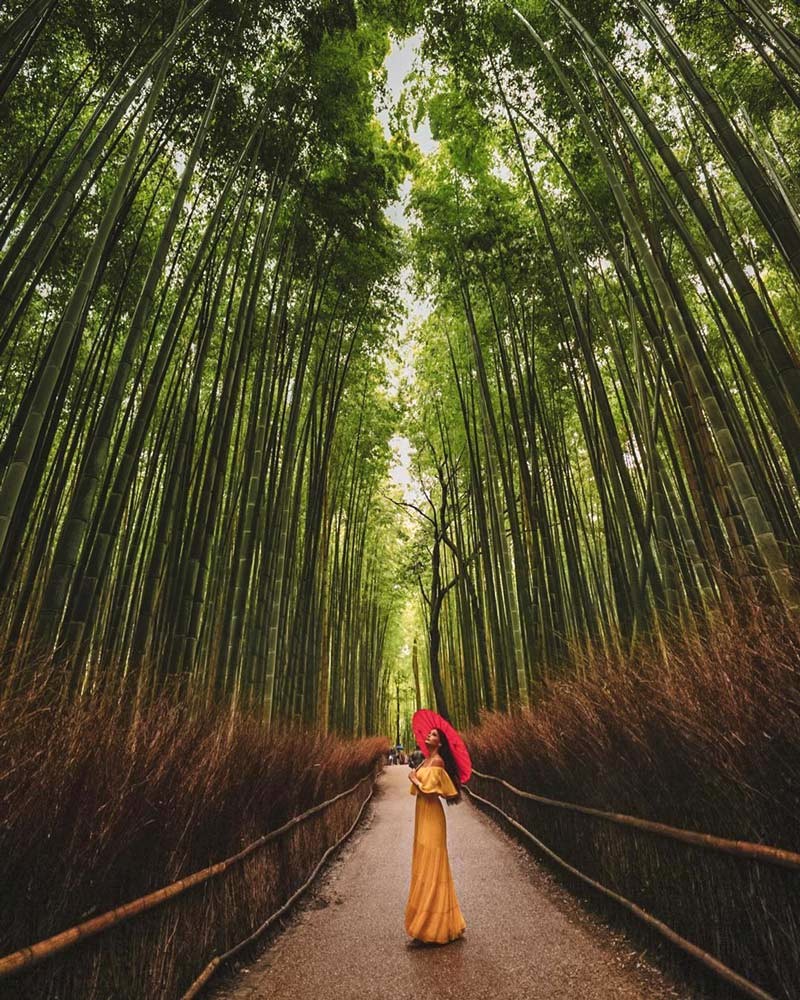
<point x="426" y="719"/>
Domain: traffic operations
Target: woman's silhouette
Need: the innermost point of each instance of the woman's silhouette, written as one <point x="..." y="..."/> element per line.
<point x="432" y="911"/>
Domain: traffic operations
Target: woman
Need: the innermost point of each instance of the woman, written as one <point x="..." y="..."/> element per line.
<point x="432" y="911"/>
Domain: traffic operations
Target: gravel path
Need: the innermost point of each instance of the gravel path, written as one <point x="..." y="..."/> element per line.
<point x="526" y="938"/>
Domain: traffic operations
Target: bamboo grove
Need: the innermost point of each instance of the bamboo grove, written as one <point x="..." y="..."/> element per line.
<point x="199" y="287"/>
<point x="195" y="290"/>
<point x="609" y="379"/>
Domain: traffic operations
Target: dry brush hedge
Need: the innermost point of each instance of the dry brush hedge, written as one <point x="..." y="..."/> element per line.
<point x="707" y="740"/>
<point x="99" y="808"/>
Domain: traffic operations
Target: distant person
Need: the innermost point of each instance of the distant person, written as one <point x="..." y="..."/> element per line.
<point x="432" y="913"/>
<point x="391" y="756"/>
<point x="416" y="758"/>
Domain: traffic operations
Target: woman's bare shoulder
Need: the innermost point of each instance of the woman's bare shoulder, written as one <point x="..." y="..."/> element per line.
<point x="436" y="761"/>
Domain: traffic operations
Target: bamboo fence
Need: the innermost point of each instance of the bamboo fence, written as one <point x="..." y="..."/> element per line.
<point x="744" y="849"/>
<point x="26" y="958"/>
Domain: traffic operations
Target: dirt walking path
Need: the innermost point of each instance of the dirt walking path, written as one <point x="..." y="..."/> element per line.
<point x="526" y="938"/>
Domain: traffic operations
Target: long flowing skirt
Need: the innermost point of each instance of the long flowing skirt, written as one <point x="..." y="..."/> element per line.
<point x="432" y="911"/>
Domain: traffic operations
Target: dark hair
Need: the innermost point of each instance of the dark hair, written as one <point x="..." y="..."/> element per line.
<point x="450" y="767"/>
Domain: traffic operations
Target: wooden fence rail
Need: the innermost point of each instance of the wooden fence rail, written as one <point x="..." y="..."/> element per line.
<point x="742" y="848"/>
<point x="33" y="954"/>
<point x="758" y="852"/>
<point x="197" y="986"/>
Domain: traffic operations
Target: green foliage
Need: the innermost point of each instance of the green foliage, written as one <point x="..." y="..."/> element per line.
<point x="610" y="342"/>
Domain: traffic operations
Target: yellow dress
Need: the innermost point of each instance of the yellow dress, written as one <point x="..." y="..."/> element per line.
<point x="432" y="911"/>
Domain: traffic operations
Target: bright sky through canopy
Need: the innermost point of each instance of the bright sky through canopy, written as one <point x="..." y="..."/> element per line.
<point x="399" y="64"/>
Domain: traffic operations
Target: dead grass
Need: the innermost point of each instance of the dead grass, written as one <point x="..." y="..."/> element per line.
<point x="100" y="804"/>
<point x="706" y="736"/>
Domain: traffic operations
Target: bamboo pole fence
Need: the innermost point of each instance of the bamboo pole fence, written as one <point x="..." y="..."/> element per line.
<point x="197" y="986"/>
<point x="740" y="848"/>
<point x="724" y="972"/>
<point x="32" y="955"/>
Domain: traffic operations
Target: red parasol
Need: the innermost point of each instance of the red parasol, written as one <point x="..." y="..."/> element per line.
<point x="426" y="719"/>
